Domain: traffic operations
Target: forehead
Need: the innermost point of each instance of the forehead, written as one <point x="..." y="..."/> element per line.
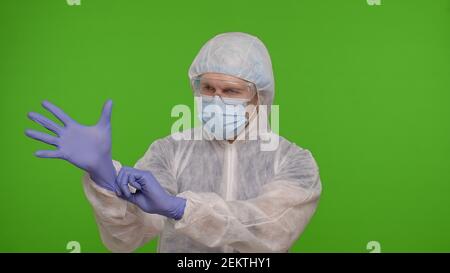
<point x="219" y="78"/>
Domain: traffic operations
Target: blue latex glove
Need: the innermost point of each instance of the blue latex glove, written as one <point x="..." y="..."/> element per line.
<point x="149" y="195"/>
<point x="87" y="147"/>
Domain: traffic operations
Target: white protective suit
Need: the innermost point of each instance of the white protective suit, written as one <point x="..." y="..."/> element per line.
<point x="239" y="198"/>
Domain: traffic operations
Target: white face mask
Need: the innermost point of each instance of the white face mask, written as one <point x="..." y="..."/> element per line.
<point x="224" y="118"/>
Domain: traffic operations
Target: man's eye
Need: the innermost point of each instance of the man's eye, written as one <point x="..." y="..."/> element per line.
<point x="208" y="88"/>
<point x="231" y="91"/>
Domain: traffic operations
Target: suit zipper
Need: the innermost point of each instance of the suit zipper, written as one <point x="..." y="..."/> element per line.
<point x="230" y="175"/>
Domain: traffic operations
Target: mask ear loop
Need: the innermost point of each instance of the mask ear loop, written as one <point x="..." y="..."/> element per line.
<point x="255" y="110"/>
<point x="194" y="86"/>
<point x="254" y="114"/>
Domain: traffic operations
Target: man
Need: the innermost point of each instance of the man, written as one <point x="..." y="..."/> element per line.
<point x="219" y="193"/>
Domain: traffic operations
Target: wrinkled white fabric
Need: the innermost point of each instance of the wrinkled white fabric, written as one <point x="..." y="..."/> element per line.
<point x="239" y="197"/>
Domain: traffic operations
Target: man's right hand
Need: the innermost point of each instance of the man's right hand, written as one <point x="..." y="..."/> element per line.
<point x="87" y="147"/>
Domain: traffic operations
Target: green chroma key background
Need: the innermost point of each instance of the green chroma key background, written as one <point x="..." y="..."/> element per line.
<point x="365" y="88"/>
